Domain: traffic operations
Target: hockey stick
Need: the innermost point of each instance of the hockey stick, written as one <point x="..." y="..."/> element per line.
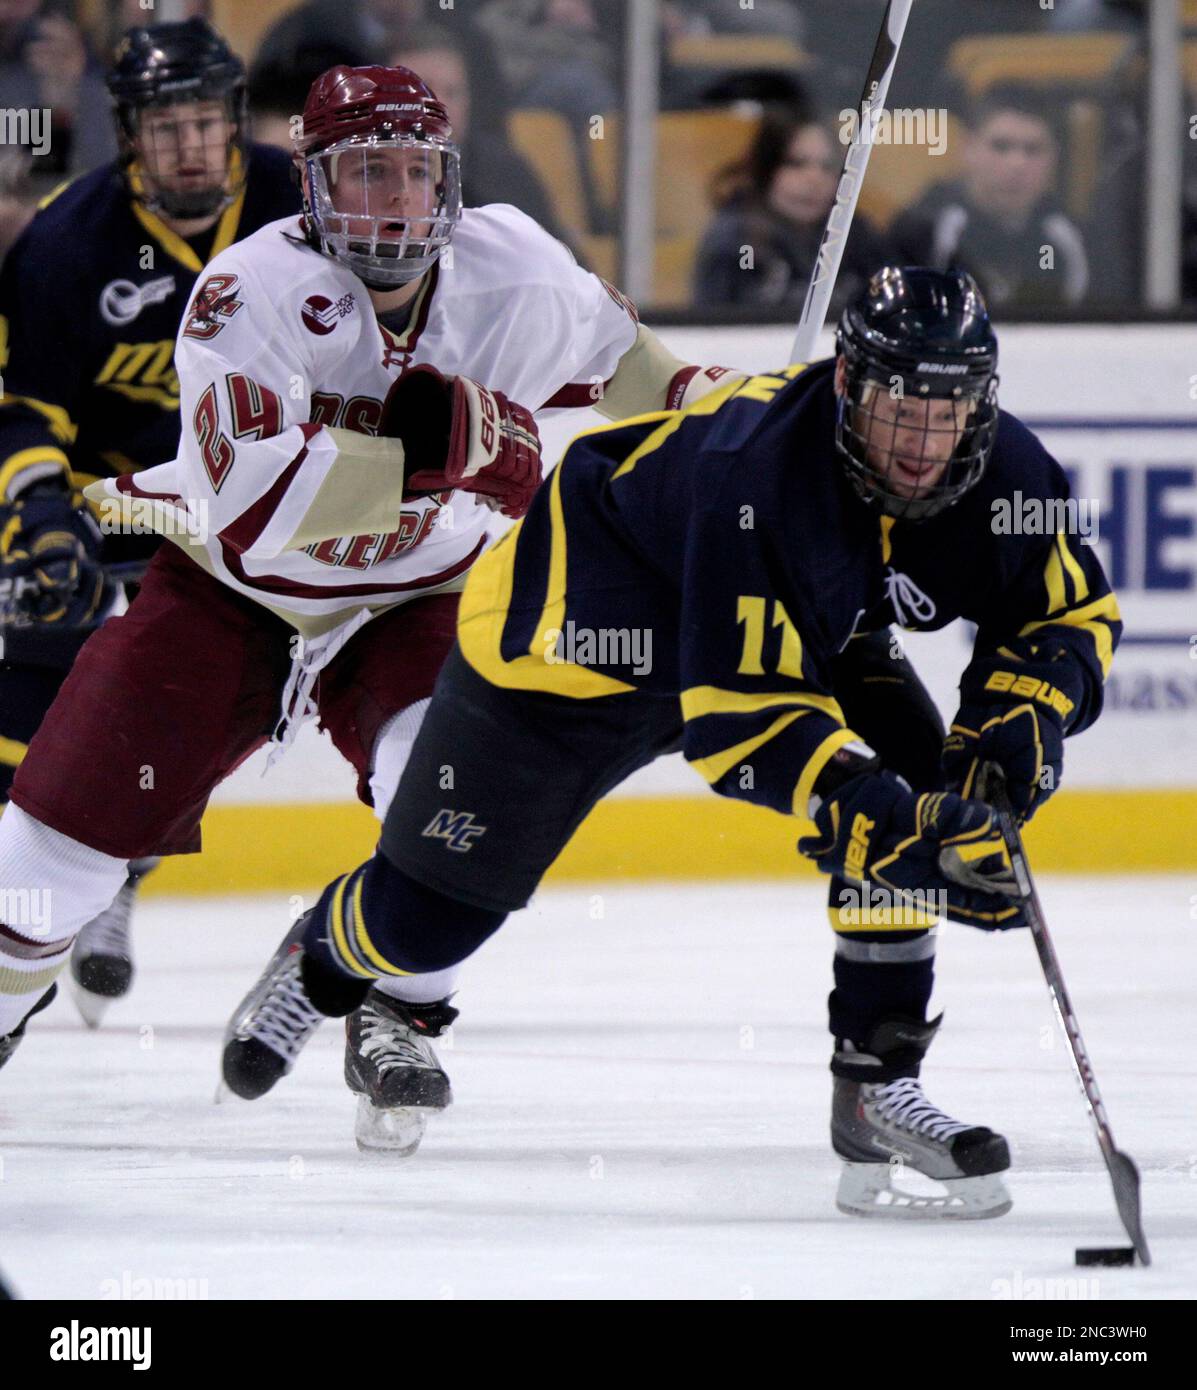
<point x="1123" y="1173"/>
<point x="856" y="160"/>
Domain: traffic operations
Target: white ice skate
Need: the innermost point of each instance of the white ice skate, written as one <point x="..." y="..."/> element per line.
<point x="905" y="1158"/>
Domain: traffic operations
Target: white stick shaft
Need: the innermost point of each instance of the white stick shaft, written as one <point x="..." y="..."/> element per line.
<point x="856" y="161"/>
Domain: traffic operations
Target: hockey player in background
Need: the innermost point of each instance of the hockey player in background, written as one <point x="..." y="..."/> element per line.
<point x="753" y="535"/>
<point x="91" y="298"/>
<point x="331" y="491"/>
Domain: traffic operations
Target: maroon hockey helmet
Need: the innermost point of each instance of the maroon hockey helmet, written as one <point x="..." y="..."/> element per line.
<point x="345" y="102"/>
<point x="382" y="182"/>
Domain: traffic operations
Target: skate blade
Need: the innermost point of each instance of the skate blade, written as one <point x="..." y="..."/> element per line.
<point x="875" y="1189"/>
<point x="91" y="1006"/>
<point x="395" y="1132"/>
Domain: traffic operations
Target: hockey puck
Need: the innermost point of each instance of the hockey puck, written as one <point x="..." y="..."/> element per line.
<point x="1106" y="1255"/>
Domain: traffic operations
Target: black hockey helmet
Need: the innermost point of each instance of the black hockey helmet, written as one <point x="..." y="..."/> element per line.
<point x="164" y="65"/>
<point x="919" y="381"/>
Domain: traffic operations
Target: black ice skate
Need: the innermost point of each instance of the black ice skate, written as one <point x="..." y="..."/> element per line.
<point x="102" y="957"/>
<point x="882" y="1123"/>
<point x="272" y="1024"/>
<point x="391" y="1067"/>
<point x="11" y="1041"/>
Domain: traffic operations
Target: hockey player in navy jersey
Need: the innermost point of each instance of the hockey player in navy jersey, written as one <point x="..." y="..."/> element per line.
<point x="755" y="535"/>
<point x="91" y="298"/>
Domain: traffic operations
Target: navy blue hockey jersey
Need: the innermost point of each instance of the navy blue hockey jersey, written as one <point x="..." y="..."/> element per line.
<point x="91" y="297"/>
<point x="720" y="557"/>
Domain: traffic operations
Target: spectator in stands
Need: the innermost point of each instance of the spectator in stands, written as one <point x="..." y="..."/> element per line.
<point x="557" y="54"/>
<point x="1001" y="220"/>
<point x="368" y="27"/>
<point x="45" y="64"/>
<point x="491" y="171"/>
<point x="278" y="87"/>
<point x="762" y="245"/>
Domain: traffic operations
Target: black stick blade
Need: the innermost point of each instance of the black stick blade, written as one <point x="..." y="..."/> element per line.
<point x="1126" y="1195"/>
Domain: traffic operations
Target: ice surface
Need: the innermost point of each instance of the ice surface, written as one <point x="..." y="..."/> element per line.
<point x="642" y="1103"/>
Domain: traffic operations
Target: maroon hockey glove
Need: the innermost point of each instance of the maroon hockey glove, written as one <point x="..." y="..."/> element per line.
<point x="458" y="434"/>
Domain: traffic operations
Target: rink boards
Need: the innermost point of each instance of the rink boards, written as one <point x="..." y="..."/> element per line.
<point x="1117" y="405"/>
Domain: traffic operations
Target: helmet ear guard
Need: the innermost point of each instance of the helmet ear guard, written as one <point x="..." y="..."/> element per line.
<point x="923" y="336"/>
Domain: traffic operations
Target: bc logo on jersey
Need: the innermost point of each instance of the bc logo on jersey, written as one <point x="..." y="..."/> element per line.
<point x="213" y="306"/>
<point x="458" y="829"/>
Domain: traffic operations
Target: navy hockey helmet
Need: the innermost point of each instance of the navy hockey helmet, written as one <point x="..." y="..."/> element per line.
<point x="917" y="408"/>
<point x="175" y="167"/>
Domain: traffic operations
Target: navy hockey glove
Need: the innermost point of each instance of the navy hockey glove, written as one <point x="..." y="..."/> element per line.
<point x="874" y="829"/>
<point x="50" y="573"/>
<point x="1015" y="712"/>
<point x="458" y="434"/>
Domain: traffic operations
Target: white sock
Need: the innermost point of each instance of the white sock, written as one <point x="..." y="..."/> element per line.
<point x="420" y="989"/>
<point x="50" y="887"/>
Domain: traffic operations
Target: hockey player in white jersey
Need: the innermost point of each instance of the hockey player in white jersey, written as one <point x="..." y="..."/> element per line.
<point x="331" y="491"/>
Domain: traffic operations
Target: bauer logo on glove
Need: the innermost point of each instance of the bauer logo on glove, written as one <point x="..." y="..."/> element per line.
<point x="1016" y="710"/>
<point x="874" y="828"/>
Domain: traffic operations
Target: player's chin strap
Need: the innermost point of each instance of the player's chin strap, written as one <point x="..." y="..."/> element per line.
<point x="297" y="706"/>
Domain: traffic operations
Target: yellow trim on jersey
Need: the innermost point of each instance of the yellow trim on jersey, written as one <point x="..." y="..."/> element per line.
<point x="17" y="463"/>
<point x="174" y="245"/>
<point x="54" y="192"/>
<point x="710" y="699"/>
<point x="62" y="427"/>
<point x="717" y="765"/>
<point x="1060" y="560"/>
<point x="815" y="764"/>
<point x="1080" y="585"/>
<point x="650" y="444"/>
<point x="887" y="548"/>
<point x="1092" y="618"/>
<point x="1053" y="578"/>
<point x="674" y="419"/>
<point x="486" y="601"/>
<point x="12" y="753"/>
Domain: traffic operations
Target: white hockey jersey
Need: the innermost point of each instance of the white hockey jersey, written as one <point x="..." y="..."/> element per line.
<point x="279" y="488"/>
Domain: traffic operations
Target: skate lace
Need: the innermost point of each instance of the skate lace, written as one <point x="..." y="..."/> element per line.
<point x="388" y="1043"/>
<point x="108" y="934"/>
<point x="903" y="1103"/>
<point x="285" y="1019"/>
